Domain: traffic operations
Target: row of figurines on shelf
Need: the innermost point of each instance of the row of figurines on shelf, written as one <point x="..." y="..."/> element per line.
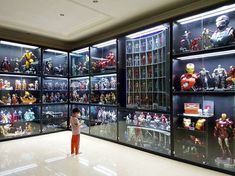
<point x="55" y="85"/>
<point x="140" y="45"/>
<point x="105" y="115"/>
<point x="146" y="72"/>
<point x="55" y="97"/>
<point x="12" y="117"/>
<point x="149" y="120"/>
<point x="146" y="86"/>
<point x="19" y="85"/>
<point x="219" y="79"/>
<point x="105" y="83"/>
<point x="222" y="36"/>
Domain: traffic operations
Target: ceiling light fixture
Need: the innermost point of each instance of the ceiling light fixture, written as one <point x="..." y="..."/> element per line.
<point x="61" y="14"/>
<point x="95" y="1"/>
<point x="18" y="45"/>
<point x="108" y="43"/>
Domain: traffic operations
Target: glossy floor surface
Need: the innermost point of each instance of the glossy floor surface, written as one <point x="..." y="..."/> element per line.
<point x="48" y="155"/>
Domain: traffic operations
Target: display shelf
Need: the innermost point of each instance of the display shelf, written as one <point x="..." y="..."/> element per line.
<point x="191" y="131"/>
<point x="19" y="74"/>
<point x="55" y="90"/>
<point x="77" y="103"/>
<point x="195" y="115"/>
<point x="166" y="132"/>
<point x="103" y="74"/>
<point x="189" y="143"/>
<point x="105" y="105"/>
<point x="19" y="105"/>
<point x="55" y="103"/>
<point x="217" y="93"/>
<point x="19" y="121"/>
<point x="54" y="76"/>
<point x="103" y="90"/>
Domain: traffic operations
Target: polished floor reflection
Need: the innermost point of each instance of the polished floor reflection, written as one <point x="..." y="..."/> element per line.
<point x="48" y="155"/>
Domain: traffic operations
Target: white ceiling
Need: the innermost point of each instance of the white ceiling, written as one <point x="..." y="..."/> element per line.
<point x="81" y="17"/>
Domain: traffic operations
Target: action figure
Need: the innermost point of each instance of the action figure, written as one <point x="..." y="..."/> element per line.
<point x="194" y="46"/>
<point x="188" y="80"/>
<point x="28" y="98"/>
<point x="204" y="77"/>
<point x="219" y="74"/>
<point x="206" y="38"/>
<point x="48" y="68"/>
<point x="231" y="79"/>
<point x="59" y="70"/>
<point x="224" y="131"/>
<point x="29" y="58"/>
<point x="224" y="34"/>
<point x="185" y="42"/>
<point x="6" y="65"/>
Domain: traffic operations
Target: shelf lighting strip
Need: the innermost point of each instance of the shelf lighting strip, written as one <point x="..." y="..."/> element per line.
<point x="81" y="51"/>
<point x="55" y="51"/>
<point x="105" y="75"/>
<point x="147" y="31"/>
<point x="221" y="53"/>
<point x="219" y="11"/>
<point x="18" y="45"/>
<point x="108" y="43"/>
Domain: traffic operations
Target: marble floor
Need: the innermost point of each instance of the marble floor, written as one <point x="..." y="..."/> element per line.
<point x="48" y="155"/>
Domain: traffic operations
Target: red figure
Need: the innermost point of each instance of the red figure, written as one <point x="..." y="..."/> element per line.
<point x="188" y="80"/>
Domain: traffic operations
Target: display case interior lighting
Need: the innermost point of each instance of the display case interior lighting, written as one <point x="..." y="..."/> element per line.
<point x="18" y="45"/>
<point x="19" y="76"/>
<point x="219" y="11"/>
<point x="81" y="51"/>
<point x="147" y="31"/>
<point x="104" y="44"/>
<point x="221" y="53"/>
<point x="49" y="78"/>
<point x="55" y="51"/>
<point x="79" y="78"/>
<point x="100" y="76"/>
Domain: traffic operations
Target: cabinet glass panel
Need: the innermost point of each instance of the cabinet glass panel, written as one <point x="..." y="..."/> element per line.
<point x="84" y="118"/>
<point x="104" y="57"/>
<point x="146" y="130"/>
<point x="204" y="129"/>
<point x="80" y="62"/>
<point x="103" y="89"/>
<point x="55" y="90"/>
<point x="147" y="62"/>
<point x="19" y="58"/>
<point x="55" y="63"/>
<point x="19" y="121"/>
<point x="54" y="117"/>
<point x="205" y="31"/>
<point x="19" y="90"/>
<point x="103" y="121"/>
<point x="79" y="90"/>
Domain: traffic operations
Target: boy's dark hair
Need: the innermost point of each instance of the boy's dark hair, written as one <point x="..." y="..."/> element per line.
<point x="76" y="110"/>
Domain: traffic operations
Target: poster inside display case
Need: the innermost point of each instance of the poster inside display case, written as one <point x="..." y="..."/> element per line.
<point x="147" y="65"/>
<point x="104" y="57"/>
<point x="19" y="58"/>
<point x="104" y="89"/>
<point x="79" y="90"/>
<point x="55" y="90"/>
<point x="103" y="121"/>
<point x="208" y="30"/>
<point x="84" y="117"/>
<point x="55" y="63"/>
<point x="19" y="121"/>
<point x="54" y="117"/>
<point x="80" y="62"/>
<point x="146" y="130"/>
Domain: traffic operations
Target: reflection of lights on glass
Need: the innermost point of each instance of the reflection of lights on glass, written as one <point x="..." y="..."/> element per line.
<point x="50" y="160"/>
<point x="104" y="170"/>
<point x="221" y="53"/>
<point x="17" y="45"/>
<point x="18" y="169"/>
<point x="55" y="51"/>
<point x="109" y="75"/>
<point x="81" y="51"/>
<point x="108" y="43"/>
<point x="219" y="11"/>
<point x="147" y="31"/>
<point x="79" y="78"/>
<point x="84" y="161"/>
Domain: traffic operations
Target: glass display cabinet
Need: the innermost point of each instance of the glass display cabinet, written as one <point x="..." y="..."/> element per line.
<point x="79" y="90"/>
<point x="203" y="83"/>
<point x="147" y="62"/>
<point x="146" y="130"/>
<point x="104" y="57"/>
<point x="103" y="122"/>
<point x="55" y="63"/>
<point x="54" y="118"/>
<point x="80" y="62"/>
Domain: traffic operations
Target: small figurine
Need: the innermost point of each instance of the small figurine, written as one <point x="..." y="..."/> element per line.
<point x="14" y="99"/>
<point x="17" y="65"/>
<point x="206" y="38"/>
<point x="188" y="80"/>
<point x="28" y="98"/>
<point x="17" y="85"/>
<point x="200" y="124"/>
<point x="107" y="98"/>
<point x="219" y="74"/>
<point x="24" y="85"/>
<point x="29" y="59"/>
<point x="231" y="77"/>
<point x="102" y="99"/>
<point x="29" y="115"/>
<point x="150" y="57"/>
<point x="58" y="70"/>
<point x="187" y="123"/>
<point x="48" y="68"/>
<point x="6" y="65"/>
<point x="113" y="82"/>
<point x="204" y="77"/>
<point x="143" y="60"/>
<point x="113" y="97"/>
<point x="129" y="47"/>
<point x="1" y="84"/>
<point x="185" y="42"/>
<point x="36" y="85"/>
<point x="224" y="34"/>
<point x="194" y="46"/>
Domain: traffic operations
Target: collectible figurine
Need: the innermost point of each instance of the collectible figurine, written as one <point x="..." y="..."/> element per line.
<point x="58" y="70"/>
<point x="143" y="60"/>
<point x="113" y="97"/>
<point x="129" y="47"/>
<point x="224" y="34"/>
<point x="48" y="68"/>
<point x="185" y="42"/>
<point x="187" y="123"/>
<point x="204" y="77"/>
<point x="36" y="85"/>
<point x="107" y="98"/>
<point x="6" y="65"/>
<point x="200" y="124"/>
<point x="28" y="98"/>
<point x="1" y="84"/>
<point x="14" y="99"/>
<point x="231" y="77"/>
<point x="150" y="57"/>
<point x="102" y="99"/>
<point x="24" y="85"/>
<point x="29" y="115"/>
<point x="29" y="59"/>
<point x="17" y="65"/>
<point x="194" y="46"/>
<point x="188" y="80"/>
<point x="219" y="74"/>
<point x="137" y="46"/>
<point x="224" y="132"/>
<point x="206" y="38"/>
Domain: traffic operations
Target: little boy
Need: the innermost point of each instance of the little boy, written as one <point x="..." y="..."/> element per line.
<point x="75" y="142"/>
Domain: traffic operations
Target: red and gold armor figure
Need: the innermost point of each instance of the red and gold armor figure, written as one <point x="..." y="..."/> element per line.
<point x="231" y="79"/>
<point x="188" y="80"/>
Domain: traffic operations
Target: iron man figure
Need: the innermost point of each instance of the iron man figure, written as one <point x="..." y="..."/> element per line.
<point x="224" y="131"/>
<point x="188" y="80"/>
<point x="231" y="79"/>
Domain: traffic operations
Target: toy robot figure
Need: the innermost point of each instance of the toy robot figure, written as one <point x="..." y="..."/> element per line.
<point x="224" y="131"/>
<point x="5" y="65"/>
<point x="224" y="34"/>
<point x="29" y="58"/>
<point x="206" y="38"/>
<point x="185" y="42"/>
<point x="219" y="74"/>
<point x="231" y="79"/>
<point x="204" y="77"/>
<point x="188" y="80"/>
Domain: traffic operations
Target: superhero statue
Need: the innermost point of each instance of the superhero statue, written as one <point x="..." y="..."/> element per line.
<point x="185" y="42"/>
<point x="219" y="74"/>
<point x="188" y="80"/>
<point x="29" y="58"/>
<point x="206" y="38"/>
<point x="231" y="77"/>
<point x="224" y="131"/>
<point x="204" y="77"/>
<point x="224" y="34"/>
<point x="5" y="65"/>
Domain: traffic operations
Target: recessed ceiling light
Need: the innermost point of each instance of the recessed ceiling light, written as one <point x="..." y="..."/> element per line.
<point x="61" y="14"/>
<point x="95" y="1"/>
